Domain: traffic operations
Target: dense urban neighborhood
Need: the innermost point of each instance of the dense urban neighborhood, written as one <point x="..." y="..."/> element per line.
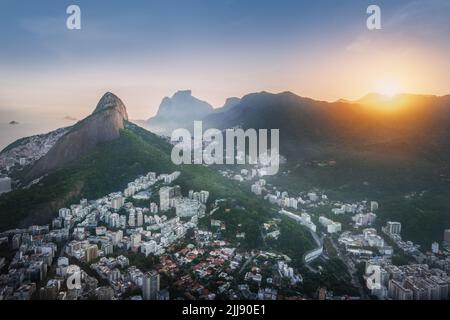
<point x="154" y="241"/>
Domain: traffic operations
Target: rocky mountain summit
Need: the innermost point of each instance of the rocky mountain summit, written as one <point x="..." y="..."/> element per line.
<point x="103" y="125"/>
<point x="178" y="111"/>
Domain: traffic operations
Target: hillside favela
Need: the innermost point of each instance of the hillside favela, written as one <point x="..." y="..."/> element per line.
<point x="225" y="150"/>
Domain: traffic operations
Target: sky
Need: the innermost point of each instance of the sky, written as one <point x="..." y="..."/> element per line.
<point x="145" y="50"/>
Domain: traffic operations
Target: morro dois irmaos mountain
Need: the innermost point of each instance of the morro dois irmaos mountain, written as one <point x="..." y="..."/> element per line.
<point x="104" y="124"/>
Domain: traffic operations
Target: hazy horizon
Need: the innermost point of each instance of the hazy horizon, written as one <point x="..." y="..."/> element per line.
<point x="146" y="51"/>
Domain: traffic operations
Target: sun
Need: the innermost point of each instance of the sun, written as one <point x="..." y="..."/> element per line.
<point x="388" y="88"/>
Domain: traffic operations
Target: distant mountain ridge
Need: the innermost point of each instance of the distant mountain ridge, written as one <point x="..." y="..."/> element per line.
<point x="229" y="104"/>
<point x="178" y="111"/>
<point x="307" y="124"/>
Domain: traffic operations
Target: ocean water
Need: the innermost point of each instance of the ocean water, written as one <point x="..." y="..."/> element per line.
<point x="10" y="133"/>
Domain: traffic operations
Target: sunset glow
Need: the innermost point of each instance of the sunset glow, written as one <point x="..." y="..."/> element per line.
<point x="389" y="88"/>
<point x="46" y="65"/>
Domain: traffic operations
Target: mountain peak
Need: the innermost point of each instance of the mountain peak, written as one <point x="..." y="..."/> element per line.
<point x="111" y="101"/>
<point x="183" y="93"/>
<point x="178" y="111"/>
<point x="231" y="101"/>
<point x="103" y="125"/>
<point x="229" y="104"/>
